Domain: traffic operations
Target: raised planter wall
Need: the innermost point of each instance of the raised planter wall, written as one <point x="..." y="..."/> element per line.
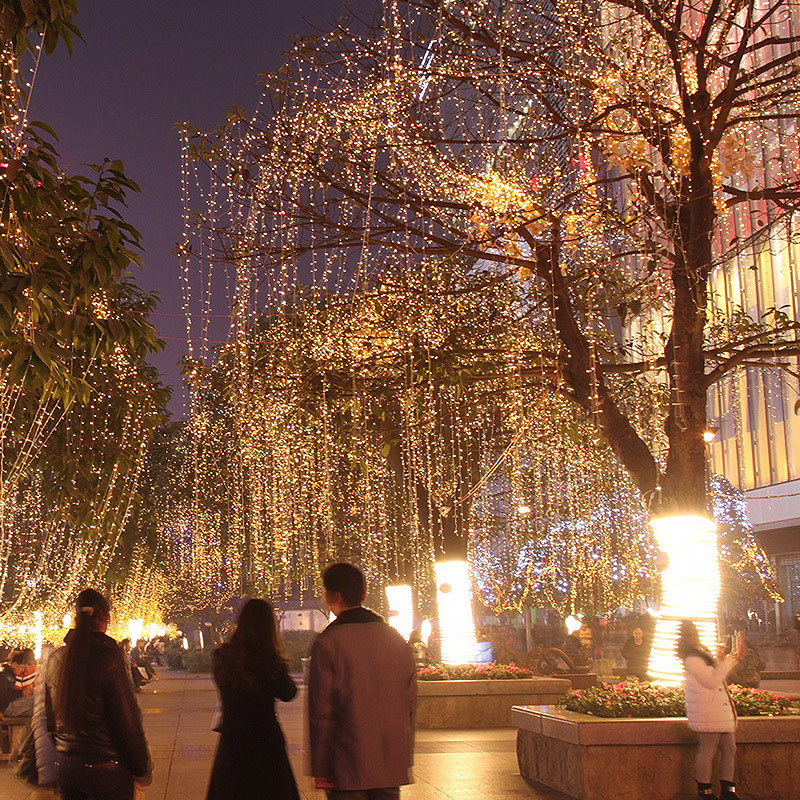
<point x="591" y="758"/>
<point x="482" y="704"/>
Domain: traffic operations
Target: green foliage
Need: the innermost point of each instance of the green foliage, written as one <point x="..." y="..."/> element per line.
<point x="297" y="645"/>
<point x="18" y="18"/>
<point x="64" y="283"/>
<point x="199" y="660"/>
<point x="74" y="327"/>
<point x="639" y="699"/>
<point x="80" y="401"/>
<point x="173" y="654"/>
<point x="473" y="672"/>
<point x="760" y="703"/>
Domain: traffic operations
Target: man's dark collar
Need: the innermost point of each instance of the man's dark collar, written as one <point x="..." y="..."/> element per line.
<point x="355" y="615"/>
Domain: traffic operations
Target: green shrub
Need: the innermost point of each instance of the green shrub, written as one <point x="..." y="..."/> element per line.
<point x="761" y="703"/>
<point x="198" y="660"/>
<point x="472" y="672"/>
<point x="641" y="699"/>
<point x="297" y="645"/>
<point x="173" y="654"/>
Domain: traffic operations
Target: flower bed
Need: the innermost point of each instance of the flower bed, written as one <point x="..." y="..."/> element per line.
<point x="582" y="755"/>
<point x="480" y="696"/>
<point x="635" y="699"/>
<point x="473" y="672"/>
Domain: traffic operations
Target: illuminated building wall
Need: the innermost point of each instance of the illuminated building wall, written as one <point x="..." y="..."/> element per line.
<point x="757" y="446"/>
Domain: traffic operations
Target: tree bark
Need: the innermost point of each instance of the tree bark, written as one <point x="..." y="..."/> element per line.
<point x="683" y="486"/>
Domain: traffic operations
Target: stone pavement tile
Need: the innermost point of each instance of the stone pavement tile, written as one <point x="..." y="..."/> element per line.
<point x="422" y="791"/>
<point x="486" y="734"/>
<point x="177" y="711"/>
<point x="10" y="787"/>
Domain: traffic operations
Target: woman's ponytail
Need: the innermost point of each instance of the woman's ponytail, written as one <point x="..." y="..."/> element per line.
<point x="91" y="612"/>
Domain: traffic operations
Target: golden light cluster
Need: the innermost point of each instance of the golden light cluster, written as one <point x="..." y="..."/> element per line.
<point x="383" y="388"/>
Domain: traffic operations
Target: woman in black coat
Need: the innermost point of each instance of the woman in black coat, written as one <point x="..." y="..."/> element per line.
<point x="250" y="672"/>
<point x="91" y="712"/>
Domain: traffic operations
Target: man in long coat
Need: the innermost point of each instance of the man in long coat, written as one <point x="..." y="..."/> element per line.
<point x="362" y="697"/>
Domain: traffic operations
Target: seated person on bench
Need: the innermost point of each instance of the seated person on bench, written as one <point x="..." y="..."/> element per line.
<point x="16" y="684"/>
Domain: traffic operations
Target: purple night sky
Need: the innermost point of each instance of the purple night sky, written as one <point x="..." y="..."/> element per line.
<point x="146" y="65"/>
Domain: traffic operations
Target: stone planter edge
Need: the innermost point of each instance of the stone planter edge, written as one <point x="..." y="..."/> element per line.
<point x="493" y="687"/>
<point x="585" y="729"/>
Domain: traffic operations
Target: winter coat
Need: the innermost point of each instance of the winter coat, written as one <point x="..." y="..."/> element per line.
<point x="45" y="746"/>
<point x="111" y="726"/>
<point x="251" y="761"/>
<point x="362" y="702"/>
<point x="709" y="707"/>
<point x="484" y="653"/>
<point x="8" y="688"/>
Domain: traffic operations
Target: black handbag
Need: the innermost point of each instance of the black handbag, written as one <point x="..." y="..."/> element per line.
<point x="23" y="762"/>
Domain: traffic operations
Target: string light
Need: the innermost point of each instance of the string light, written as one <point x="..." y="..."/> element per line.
<point x="356" y="226"/>
<point x="79" y="410"/>
<point x="572" y="624"/>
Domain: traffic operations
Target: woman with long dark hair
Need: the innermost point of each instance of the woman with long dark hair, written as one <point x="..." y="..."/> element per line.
<point x="250" y="672"/>
<point x="91" y="711"/>
<point x="710" y="711"/>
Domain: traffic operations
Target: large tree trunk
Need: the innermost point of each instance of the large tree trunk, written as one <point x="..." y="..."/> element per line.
<point x="681" y="489"/>
<point x="683" y="486"/>
<point x="587" y="386"/>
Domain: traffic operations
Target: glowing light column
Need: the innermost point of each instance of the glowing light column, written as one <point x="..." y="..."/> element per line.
<point x="135" y="630"/>
<point x="454" y="603"/>
<point x="401" y="609"/>
<point x="37" y="633"/>
<point x="690" y="587"/>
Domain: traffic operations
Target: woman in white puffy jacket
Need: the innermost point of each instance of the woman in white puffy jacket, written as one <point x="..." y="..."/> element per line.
<point x="710" y="711"/>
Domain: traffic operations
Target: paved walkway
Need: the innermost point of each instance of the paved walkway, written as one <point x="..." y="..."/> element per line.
<point x="449" y="764"/>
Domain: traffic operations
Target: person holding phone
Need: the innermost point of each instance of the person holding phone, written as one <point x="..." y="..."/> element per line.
<point x="709" y="709"/>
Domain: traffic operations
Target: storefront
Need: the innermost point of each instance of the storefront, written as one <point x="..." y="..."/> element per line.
<point x="775" y="514"/>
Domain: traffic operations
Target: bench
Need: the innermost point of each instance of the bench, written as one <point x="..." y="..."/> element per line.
<point x="12" y="732"/>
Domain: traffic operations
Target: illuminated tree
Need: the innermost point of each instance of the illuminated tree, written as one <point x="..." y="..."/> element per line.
<point x="596" y="159"/>
<point x="78" y="402"/>
<point x="593" y="153"/>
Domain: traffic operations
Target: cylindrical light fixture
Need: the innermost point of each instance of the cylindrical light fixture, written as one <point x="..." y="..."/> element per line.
<point x="690" y="586"/>
<point x="37" y="634"/>
<point x="401" y="609"/>
<point x="135" y="630"/>
<point x="572" y="624"/>
<point x="425" y="631"/>
<point x="454" y="603"/>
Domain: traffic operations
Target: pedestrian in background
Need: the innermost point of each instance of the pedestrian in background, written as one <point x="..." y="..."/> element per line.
<point x="710" y="711"/>
<point x="16" y="684"/>
<point x="250" y="672"/>
<point x="137" y="679"/>
<point x="44" y="746"/>
<point x="419" y="649"/>
<point x="362" y="697"/>
<point x="636" y="652"/>
<point x="139" y="660"/>
<point x="747" y="671"/>
<point x="484" y="653"/>
<point x="92" y="713"/>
